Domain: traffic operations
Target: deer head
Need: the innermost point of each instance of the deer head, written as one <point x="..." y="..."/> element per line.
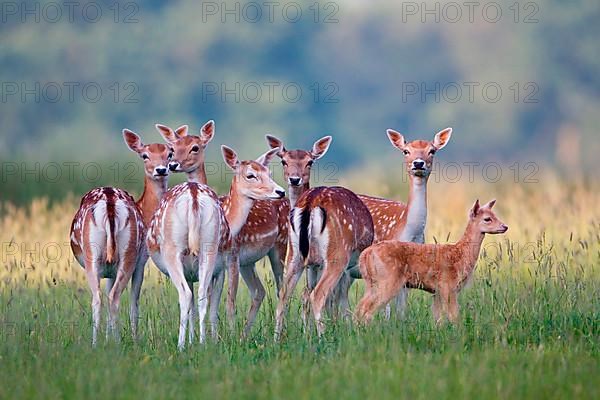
<point x="485" y="219"/>
<point x="252" y="177"/>
<point x="188" y="149"/>
<point x="419" y="154"/>
<point x="156" y="156"/>
<point x="297" y="163"/>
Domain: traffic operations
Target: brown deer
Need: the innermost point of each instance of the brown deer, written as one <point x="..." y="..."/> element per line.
<point x="108" y="234"/>
<point x="394" y="220"/>
<point x="192" y="236"/>
<point x="263" y="234"/>
<point x="297" y="165"/>
<point x="440" y="269"/>
<point x="328" y="227"/>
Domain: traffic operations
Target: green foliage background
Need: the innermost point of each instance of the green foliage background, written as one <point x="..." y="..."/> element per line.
<point x="171" y="50"/>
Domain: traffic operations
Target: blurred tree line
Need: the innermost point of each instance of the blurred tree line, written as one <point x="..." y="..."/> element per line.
<point x="518" y="85"/>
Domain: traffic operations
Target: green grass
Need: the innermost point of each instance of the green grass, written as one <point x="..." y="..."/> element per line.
<point x="525" y="332"/>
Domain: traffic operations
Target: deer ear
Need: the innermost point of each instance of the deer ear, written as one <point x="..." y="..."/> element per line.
<point x="207" y="132"/>
<point x="396" y="138"/>
<point x="320" y="147"/>
<point x="132" y="140"/>
<point x="166" y="132"/>
<point x="442" y="138"/>
<point x="230" y="157"/>
<point x="490" y="204"/>
<point x="181" y="131"/>
<point x="475" y="209"/>
<point x="275" y="143"/>
<point x="266" y="158"/>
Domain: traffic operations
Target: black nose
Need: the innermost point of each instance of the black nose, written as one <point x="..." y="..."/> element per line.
<point x="418" y="164"/>
<point x="161" y="171"/>
<point x="173" y="166"/>
<point x="295" y="181"/>
<point x="280" y="193"/>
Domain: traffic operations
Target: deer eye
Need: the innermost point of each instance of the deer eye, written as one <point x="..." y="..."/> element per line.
<point x="251" y="176"/>
<point x="487" y="219"/>
<point x="284" y="163"/>
<point x="145" y="156"/>
<point x="406" y="152"/>
<point x="310" y="163"/>
<point x="195" y="149"/>
<point x="432" y="152"/>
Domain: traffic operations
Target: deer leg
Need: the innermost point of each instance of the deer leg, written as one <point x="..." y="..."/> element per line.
<point x="312" y="277"/>
<point x="441" y="296"/>
<point x="114" y="300"/>
<point x="257" y="294"/>
<point x="400" y="301"/>
<point x="94" y="283"/>
<point x="193" y="314"/>
<point x="216" y="290"/>
<point x="174" y="262"/>
<point x="290" y="280"/>
<point x="276" y="265"/>
<point x="342" y="299"/>
<point x="376" y="297"/>
<point x="364" y="305"/>
<point x="136" y="287"/>
<point x="206" y="268"/>
<point x="333" y="269"/>
<point x="452" y="307"/>
<point x="108" y="285"/>
<point x="233" y="267"/>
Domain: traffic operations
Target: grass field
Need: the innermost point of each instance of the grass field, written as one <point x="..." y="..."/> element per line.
<point x="529" y="324"/>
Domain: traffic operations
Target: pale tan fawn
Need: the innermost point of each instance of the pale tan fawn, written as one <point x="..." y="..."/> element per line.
<point x="263" y="234"/>
<point x="394" y="220"/>
<point x="192" y="235"/>
<point x="440" y="269"/>
<point x="108" y="234"/>
<point x="328" y="227"/>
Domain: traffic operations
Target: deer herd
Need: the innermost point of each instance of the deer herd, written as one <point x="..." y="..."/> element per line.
<point x="337" y="236"/>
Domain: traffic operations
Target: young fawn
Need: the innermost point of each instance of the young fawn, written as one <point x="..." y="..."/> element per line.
<point x="328" y="227"/>
<point x="440" y="269"/>
<point x="263" y="234"/>
<point x="108" y="234"/>
<point x="192" y="235"/>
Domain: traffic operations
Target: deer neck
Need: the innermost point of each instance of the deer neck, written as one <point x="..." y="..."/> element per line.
<point x="296" y="191"/>
<point x="236" y="207"/>
<point x="470" y="245"/>
<point x="198" y="175"/>
<point x="416" y="211"/>
<point x="150" y="198"/>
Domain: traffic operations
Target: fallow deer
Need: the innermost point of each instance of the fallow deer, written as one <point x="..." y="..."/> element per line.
<point x="394" y="220"/>
<point x="440" y="269"/>
<point x="297" y="165"/>
<point x="328" y="227"/>
<point x="263" y="234"/>
<point x="108" y="234"/>
<point x="192" y="235"/>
